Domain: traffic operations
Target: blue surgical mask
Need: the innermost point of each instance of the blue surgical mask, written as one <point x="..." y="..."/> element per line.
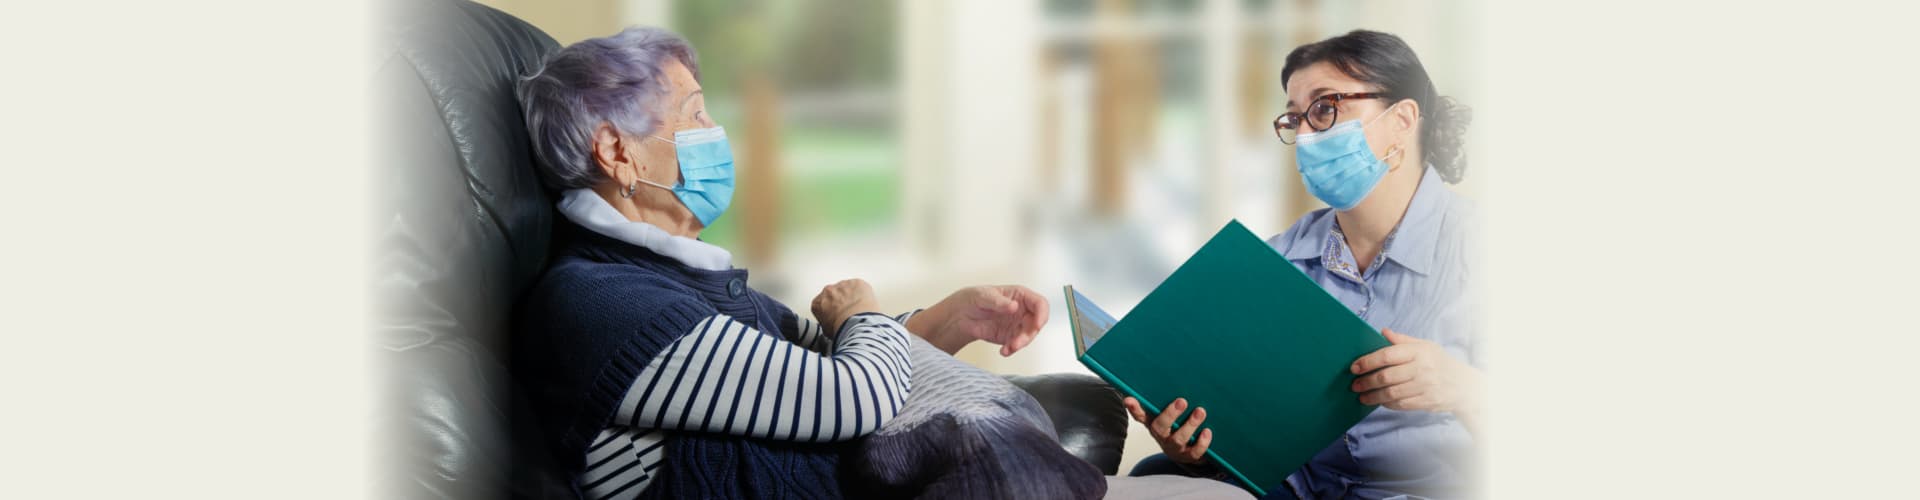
<point x="706" y="172"/>
<point x="1337" y="165"/>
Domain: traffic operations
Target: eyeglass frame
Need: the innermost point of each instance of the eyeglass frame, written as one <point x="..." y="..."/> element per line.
<point x="1301" y="117"/>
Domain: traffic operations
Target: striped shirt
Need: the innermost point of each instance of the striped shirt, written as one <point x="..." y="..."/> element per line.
<point x="727" y="377"/>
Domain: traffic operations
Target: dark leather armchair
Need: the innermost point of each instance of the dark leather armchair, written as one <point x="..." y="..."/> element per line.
<point x="461" y="230"/>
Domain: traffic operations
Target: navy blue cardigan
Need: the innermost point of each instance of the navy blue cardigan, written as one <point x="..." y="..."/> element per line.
<point x="597" y="317"/>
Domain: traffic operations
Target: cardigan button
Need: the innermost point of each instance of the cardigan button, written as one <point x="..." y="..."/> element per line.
<point x="736" y="288"/>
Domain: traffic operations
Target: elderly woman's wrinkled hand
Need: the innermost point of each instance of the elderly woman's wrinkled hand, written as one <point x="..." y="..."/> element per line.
<point x="1006" y="315"/>
<point x="842" y="300"/>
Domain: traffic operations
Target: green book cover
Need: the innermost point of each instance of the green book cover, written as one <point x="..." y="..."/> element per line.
<point x="1240" y="331"/>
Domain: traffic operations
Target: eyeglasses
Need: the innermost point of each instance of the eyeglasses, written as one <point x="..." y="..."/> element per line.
<point x="1322" y="113"/>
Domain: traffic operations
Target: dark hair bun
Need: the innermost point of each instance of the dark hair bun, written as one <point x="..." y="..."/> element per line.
<point x="1443" y="137"/>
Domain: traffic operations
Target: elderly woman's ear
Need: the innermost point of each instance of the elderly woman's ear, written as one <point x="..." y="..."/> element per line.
<point x="612" y="157"/>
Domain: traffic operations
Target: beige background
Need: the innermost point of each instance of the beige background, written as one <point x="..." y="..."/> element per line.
<point x="1701" y="220"/>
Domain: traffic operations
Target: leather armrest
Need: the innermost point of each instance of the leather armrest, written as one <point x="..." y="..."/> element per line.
<point x="1086" y="413"/>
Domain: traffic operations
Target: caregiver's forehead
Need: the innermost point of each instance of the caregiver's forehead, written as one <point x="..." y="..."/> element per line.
<point x="1318" y="79"/>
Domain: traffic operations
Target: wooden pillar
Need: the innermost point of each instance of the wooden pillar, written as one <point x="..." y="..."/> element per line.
<point x="758" y="199"/>
<point x="1126" y="96"/>
<point x="1258" y="87"/>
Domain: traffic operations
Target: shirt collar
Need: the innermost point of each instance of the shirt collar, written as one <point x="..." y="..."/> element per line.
<point x="1412" y="244"/>
<point x="1308" y="243"/>
<point x="589" y="210"/>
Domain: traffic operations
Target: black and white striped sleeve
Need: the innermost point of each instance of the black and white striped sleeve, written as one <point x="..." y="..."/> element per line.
<point x="808" y="334"/>
<point x="728" y="377"/>
<point x="621" y="463"/>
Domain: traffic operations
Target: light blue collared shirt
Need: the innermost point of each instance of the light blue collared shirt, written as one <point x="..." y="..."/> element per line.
<point x="1417" y="286"/>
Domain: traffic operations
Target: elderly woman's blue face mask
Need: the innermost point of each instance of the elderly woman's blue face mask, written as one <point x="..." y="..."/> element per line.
<point x="706" y="172"/>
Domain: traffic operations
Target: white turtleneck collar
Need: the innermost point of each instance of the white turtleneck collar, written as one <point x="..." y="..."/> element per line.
<point x="589" y="210"/>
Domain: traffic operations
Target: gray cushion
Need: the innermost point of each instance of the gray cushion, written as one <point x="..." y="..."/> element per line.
<point x="966" y="433"/>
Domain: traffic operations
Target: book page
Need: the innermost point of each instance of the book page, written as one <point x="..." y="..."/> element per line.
<point x="1089" y="321"/>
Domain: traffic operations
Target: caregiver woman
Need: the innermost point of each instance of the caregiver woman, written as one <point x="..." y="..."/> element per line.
<point x="1375" y="141"/>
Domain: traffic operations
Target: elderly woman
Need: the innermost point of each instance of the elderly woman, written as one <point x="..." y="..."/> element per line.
<point x="1376" y="142"/>
<point x="655" y="369"/>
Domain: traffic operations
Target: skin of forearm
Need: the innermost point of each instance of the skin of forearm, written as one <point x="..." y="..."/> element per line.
<point x="929" y="323"/>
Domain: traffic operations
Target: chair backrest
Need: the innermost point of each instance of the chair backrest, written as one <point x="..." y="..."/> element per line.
<point x="461" y="226"/>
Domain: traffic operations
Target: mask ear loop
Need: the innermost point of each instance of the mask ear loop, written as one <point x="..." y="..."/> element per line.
<point x="1396" y="149"/>
<point x="651" y="183"/>
<point x="635" y="187"/>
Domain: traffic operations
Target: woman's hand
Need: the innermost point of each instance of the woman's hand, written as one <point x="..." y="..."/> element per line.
<point x="1174" y="442"/>
<point x="1415" y="374"/>
<point x="842" y="300"/>
<point x="1007" y="315"/>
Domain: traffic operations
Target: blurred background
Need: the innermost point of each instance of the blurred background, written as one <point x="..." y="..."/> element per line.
<point x="931" y="144"/>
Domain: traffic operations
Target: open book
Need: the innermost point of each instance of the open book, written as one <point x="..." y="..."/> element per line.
<point x="1240" y="331"/>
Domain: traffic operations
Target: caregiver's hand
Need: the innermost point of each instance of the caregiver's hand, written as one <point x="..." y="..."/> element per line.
<point x="1174" y="442"/>
<point x="842" y="300"/>
<point x="1415" y="374"/>
<point x="1007" y="315"/>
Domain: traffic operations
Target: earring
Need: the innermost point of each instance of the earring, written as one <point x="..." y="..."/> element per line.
<point x="631" y="188"/>
<point x="1392" y="152"/>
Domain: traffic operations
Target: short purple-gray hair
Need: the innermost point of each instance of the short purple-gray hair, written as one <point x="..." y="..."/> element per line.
<point x="614" y="80"/>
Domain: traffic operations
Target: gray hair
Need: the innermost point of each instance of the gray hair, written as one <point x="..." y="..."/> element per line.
<point x="614" y="80"/>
